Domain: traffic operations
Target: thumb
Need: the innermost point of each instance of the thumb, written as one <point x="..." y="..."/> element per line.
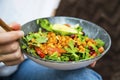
<point x="15" y="26"/>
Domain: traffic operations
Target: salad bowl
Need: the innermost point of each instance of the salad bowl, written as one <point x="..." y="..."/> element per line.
<point x="90" y="29"/>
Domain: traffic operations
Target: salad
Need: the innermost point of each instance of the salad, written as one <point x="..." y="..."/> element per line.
<point x="61" y="42"/>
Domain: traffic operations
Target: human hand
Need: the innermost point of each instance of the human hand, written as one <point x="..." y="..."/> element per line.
<point x="10" y="53"/>
<point x="93" y="64"/>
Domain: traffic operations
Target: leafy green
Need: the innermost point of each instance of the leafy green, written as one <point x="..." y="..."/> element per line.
<point x="32" y="51"/>
<point x="65" y="57"/>
<point x="99" y="42"/>
<point x="24" y="46"/>
<point x="29" y="37"/>
<point x="54" y="57"/>
<point x="78" y="28"/>
<point x="38" y="38"/>
<point x="95" y="48"/>
<point x="45" y="24"/>
<point x="41" y="39"/>
<point x="87" y="55"/>
<point x="72" y="50"/>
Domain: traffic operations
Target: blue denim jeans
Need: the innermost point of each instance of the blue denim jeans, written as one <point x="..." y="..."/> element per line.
<point x="30" y="70"/>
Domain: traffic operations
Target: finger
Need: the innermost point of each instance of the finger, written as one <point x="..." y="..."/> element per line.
<point x="93" y="64"/>
<point x="7" y="37"/>
<point x="9" y="47"/>
<point x="11" y="56"/>
<point x="15" y="62"/>
<point x="15" y="26"/>
<point x="2" y="30"/>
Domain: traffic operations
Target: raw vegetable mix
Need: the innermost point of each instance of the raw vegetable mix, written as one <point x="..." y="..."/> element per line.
<point x="61" y="42"/>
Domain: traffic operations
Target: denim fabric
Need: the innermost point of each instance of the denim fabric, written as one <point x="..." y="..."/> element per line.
<point x="30" y="70"/>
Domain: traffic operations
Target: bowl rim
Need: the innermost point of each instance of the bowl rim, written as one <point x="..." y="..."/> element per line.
<point x="83" y="60"/>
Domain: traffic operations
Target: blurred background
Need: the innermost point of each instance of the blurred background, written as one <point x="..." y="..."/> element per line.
<point x="105" y="13"/>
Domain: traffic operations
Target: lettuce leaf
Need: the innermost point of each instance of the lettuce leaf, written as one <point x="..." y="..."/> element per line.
<point x="99" y="42"/>
<point x="45" y="24"/>
<point x="72" y="50"/>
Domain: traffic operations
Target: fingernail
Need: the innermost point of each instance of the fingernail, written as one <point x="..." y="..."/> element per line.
<point x="21" y="33"/>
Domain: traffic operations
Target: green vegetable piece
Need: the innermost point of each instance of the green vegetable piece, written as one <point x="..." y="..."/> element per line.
<point x="87" y="54"/>
<point x="45" y="24"/>
<point x="41" y="39"/>
<point x="29" y="37"/>
<point x="72" y="50"/>
<point x="24" y="46"/>
<point x="37" y="38"/>
<point x="95" y="48"/>
<point x="99" y="42"/>
<point x="78" y="28"/>
<point x="32" y="52"/>
<point x="64" y="30"/>
<point x="81" y="37"/>
<point x="64" y="58"/>
<point x="54" y="57"/>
